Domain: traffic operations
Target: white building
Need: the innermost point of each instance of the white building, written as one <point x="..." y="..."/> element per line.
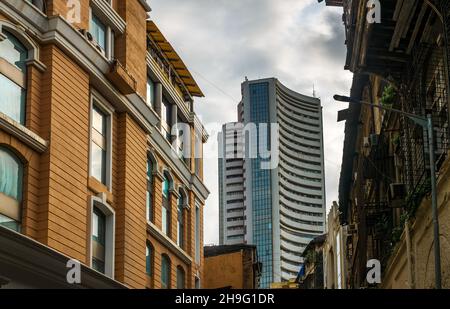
<point x="284" y="207"/>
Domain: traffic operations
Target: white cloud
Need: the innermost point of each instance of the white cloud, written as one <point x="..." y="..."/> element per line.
<point x="222" y="41"/>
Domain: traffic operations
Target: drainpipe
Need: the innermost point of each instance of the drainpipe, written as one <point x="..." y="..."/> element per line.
<point x="410" y="256"/>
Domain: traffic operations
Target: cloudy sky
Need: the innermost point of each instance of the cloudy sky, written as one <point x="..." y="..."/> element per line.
<point x="300" y="42"/>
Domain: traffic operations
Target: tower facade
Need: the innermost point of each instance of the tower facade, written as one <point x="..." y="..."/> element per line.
<point x="284" y="193"/>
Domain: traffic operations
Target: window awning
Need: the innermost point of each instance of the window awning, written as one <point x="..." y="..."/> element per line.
<point x="169" y="52"/>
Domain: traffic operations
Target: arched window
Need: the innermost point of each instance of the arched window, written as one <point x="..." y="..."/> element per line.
<point x="165" y="272"/>
<point x="181" y="278"/>
<point x="11" y="177"/>
<point x="166" y="213"/>
<point x="149" y="206"/>
<point x="180" y="220"/>
<point x="149" y="260"/>
<point x="13" y="57"/>
<point x="102" y="237"/>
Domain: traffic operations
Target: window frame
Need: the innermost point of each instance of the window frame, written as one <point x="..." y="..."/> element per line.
<point x="180" y="220"/>
<point x="101" y="205"/>
<point x="110" y="34"/>
<point x="166" y="228"/>
<point x="10" y="207"/>
<point x="197" y="232"/>
<point x="165" y="257"/>
<point x="166" y="119"/>
<point x="101" y="104"/>
<point x="149" y="259"/>
<point x="182" y="272"/>
<point x="14" y="74"/>
<point x="150" y="99"/>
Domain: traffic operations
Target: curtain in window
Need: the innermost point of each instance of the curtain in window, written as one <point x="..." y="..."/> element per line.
<point x="10" y="175"/>
<point x="12" y="99"/>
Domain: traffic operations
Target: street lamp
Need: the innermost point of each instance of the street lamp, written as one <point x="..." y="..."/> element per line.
<point x="427" y="123"/>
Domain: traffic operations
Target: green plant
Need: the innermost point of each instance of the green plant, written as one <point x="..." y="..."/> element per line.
<point x="388" y="96"/>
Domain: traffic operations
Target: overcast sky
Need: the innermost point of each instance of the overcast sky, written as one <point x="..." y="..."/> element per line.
<point x="300" y="42"/>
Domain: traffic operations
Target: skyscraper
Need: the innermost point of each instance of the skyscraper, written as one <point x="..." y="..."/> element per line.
<point x="284" y="206"/>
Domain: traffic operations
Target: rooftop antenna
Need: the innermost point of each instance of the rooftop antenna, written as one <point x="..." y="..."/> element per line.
<point x="314" y="91"/>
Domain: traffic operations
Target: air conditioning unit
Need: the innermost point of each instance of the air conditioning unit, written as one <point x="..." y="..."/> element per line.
<point x="397" y="191"/>
<point x="374" y="139"/>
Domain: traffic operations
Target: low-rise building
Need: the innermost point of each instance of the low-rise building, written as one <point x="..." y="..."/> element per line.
<point x="335" y="257"/>
<point x="231" y="267"/>
<point x="311" y="274"/>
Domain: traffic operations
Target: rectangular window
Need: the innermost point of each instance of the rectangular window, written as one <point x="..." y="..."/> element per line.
<point x="99" y="144"/>
<point x="197" y="232"/>
<point x="148" y="260"/>
<point x="166" y="119"/>
<point x="102" y="237"/>
<point x="98" y="240"/>
<point x="102" y="35"/>
<point x="150" y="93"/>
<point x="98" y="31"/>
<point x="166" y="208"/>
<point x="198" y="153"/>
<point x="149" y="198"/>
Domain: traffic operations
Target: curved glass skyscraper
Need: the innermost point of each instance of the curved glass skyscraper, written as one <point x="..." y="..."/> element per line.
<point x="284" y="204"/>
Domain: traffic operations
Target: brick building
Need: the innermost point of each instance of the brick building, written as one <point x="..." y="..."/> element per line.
<point x="93" y="165"/>
<point x="232" y="267"/>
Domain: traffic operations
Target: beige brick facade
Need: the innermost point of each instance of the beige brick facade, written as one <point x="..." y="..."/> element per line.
<point x="57" y="186"/>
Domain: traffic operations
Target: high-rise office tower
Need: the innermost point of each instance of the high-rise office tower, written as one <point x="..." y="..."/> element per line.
<point x="284" y="205"/>
<point x="231" y="185"/>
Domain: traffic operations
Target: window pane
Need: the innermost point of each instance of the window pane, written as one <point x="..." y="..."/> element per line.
<point x="165" y="273"/>
<point x="10" y="175"/>
<point x="165" y="220"/>
<point x="13" y="51"/>
<point x="180" y="278"/>
<point x="98" y="163"/>
<point x="12" y="100"/>
<point x="98" y="31"/>
<point x="150" y="93"/>
<point x="149" y="207"/>
<point x="98" y="265"/>
<point x="148" y="260"/>
<point x="98" y="227"/>
<point x="9" y="223"/>
<point x="99" y="121"/>
<point x="165" y="187"/>
<point x="197" y="234"/>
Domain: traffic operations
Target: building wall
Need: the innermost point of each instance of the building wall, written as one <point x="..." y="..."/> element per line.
<point x="56" y="208"/>
<point x="334" y="253"/>
<point x="412" y="263"/>
<point x="224" y="270"/>
<point x="231" y="191"/>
